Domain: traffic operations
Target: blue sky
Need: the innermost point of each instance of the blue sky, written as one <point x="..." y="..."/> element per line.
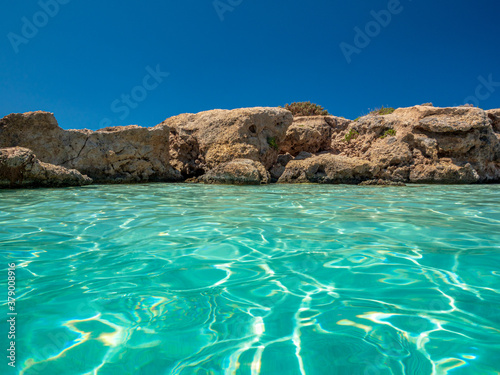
<point x="96" y="63"/>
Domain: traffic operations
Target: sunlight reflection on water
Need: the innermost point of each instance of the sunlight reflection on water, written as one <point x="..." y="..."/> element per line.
<point x="194" y="279"/>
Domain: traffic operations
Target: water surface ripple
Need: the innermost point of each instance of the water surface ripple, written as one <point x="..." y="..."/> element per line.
<point x="303" y="279"/>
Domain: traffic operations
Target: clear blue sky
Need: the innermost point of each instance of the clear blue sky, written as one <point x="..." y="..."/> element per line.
<point x="84" y="58"/>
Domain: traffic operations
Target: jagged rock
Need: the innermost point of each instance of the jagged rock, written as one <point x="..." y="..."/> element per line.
<point x="311" y="134"/>
<point x="200" y="142"/>
<point x="117" y="154"/>
<point x="381" y="182"/>
<point x="387" y="152"/>
<point x="327" y="169"/>
<point x="445" y="120"/>
<point x="422" y="144"/>
<point x="237" y="172"/>
<point x="193" y="180"/>
<point x="303" y="155"/>
<point x="284" y="159"/>
<point x="443" y="173"/>
<point x="494" y="115"/>
<point x="418" y="137"/>
<point x="19" y="167"/>
<point x="277" y="169"/>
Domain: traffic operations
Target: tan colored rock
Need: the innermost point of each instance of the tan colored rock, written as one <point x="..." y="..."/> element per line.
<point x="443" y="173"/>
<point x="237" y="172"/>
<point x="444" y="120"/>
<point x="418" y="144"/>
<point x="312" y="134"/>
<point x="19" y="167"/>
<point x="118" y="154"/>
<point x="381" y="182"/>
<point x="494" y="115"/>
<point x="424" y="136"/>
<point x="386" y="152"/>
<point x="200" y="142"/>
<point x="328" y="169"/>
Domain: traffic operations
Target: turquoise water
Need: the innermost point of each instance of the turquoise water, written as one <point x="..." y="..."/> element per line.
<point x="302" y="279"/>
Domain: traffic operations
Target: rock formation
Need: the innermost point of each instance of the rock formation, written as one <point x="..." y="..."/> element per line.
<point x="494" y="115"/>
<point x="421" y="144"/>
<point x="200" y="142"/>
<point x="19" y="167"/>
<point x="111" y="155"/>
<point x="327" y="169"/>
<point x="237" y="172"/>
<point x="381" y="182"/>
<point x="311" y="134"/>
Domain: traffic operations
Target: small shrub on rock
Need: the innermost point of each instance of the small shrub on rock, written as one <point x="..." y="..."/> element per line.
<point x="382" y="111"/>
<point x="306" y="109"/>
<point x="352" y="134"/>
<point x="388" y="133"/>
<point x="271" y="141"/>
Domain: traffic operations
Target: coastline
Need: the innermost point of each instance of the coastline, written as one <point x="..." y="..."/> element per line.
<point x="253" y="146"/>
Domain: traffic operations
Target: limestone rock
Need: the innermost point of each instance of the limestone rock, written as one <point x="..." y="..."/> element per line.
<point x="494" y="115"/>
<point x="422" y="144"/>
<point x="311" y="134"/>
<point x="237" y="172"/>
<point x="428" y="140"/>
<point x="277" y="169"/>
<point x="200" y="142"/>
<point x="445" y="120"/>
<point x="19" y="167"/>
<point x="386" y="152"/>
<point x="444" y="173"/>
<point x="381" y="182"/>
<point x="328" y="169"/>
<point x="117" y="154"/>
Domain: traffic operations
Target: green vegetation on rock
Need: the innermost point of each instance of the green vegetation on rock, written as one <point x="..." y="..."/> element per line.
<point x="271" y="141"/>
<point x="382" y="111"/>
<point x="306" y="109"/>
<point x="388" y="133"/>
<point x="352" y="134"/>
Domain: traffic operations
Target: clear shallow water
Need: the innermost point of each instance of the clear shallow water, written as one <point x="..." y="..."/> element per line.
<point x="301" y="279"/>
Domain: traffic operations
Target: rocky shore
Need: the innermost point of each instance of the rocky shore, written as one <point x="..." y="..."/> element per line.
<point x="420" y="144"/>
